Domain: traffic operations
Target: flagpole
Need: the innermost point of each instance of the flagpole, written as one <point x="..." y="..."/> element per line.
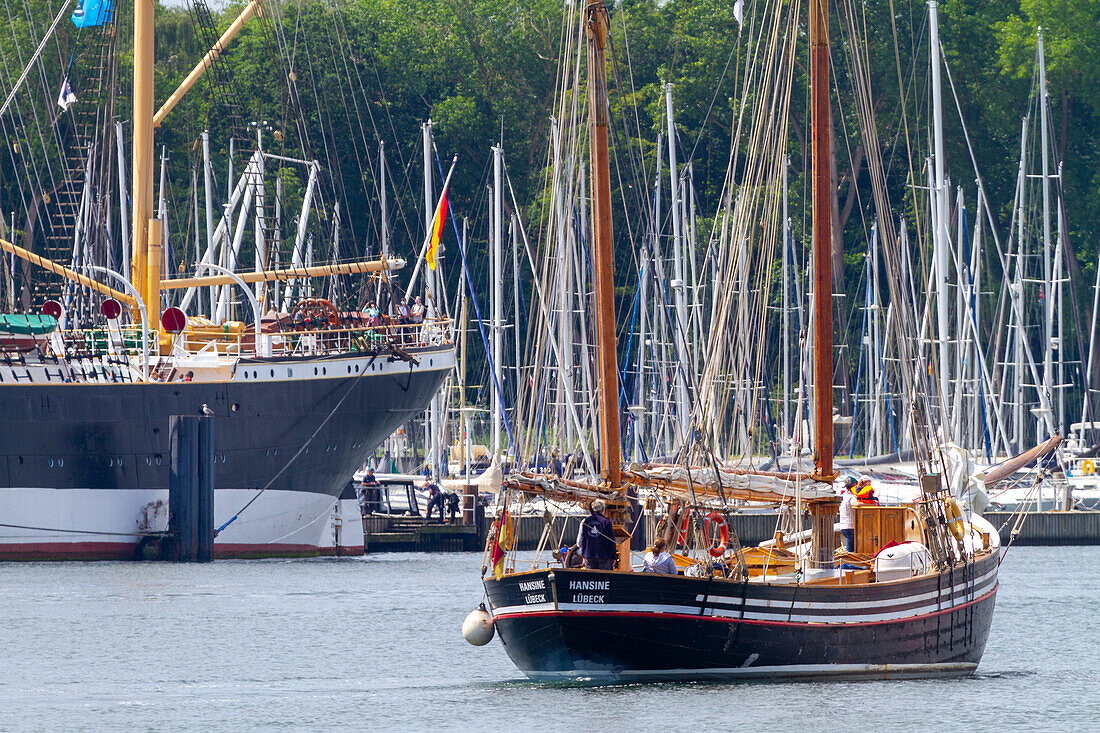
<point x="428" y="239"/>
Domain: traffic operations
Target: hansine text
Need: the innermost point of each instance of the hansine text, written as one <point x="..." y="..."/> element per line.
<point x="589" y="585"/>
<point x="532" y="585"/>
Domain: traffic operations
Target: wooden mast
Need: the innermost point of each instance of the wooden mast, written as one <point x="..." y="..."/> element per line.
<point x="603" y="246"/>
<point x="822" y="230"/>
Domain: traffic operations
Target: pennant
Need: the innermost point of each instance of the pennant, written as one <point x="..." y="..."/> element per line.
<point x="739" y="12"/>
<point x="437" y="228"/>
<point x="66" y="97"/>
<point x="498" y="552"/>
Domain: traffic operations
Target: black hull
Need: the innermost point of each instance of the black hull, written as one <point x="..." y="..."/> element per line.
<point x="114" y="437"/>
<point x="612" y="627"/>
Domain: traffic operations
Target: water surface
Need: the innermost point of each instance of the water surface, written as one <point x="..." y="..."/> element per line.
<point x="374" y="643"/>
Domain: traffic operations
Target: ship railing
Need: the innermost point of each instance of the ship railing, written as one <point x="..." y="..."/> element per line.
<point x="362" y="338"/>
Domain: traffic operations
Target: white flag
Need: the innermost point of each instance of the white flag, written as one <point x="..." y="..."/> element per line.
<point x="66" y="97"/>
<point x="738" y="13"/>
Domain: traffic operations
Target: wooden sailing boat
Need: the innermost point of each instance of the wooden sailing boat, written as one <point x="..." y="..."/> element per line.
<point x="915" y="599"/>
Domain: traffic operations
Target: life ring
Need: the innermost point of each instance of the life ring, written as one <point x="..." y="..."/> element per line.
<point x="723" y="531"/>
<point x="1088" y="467"/>
<point x="954" y="518"/>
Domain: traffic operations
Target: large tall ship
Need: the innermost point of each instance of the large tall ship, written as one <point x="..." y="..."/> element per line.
<point x="300" y="390"/>
<point x="911" y="596"/>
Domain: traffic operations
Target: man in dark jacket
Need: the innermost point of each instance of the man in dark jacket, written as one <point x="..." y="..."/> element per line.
<point x="435" y="499"/>
<point x="597" y="539"/>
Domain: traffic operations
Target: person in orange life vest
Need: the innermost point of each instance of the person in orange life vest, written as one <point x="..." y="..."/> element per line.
<point x="865" y="494"/>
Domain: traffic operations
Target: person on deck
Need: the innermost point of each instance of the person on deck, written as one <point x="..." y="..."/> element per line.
<point x="848" y="514"/>
<point x="865" y="494"/>
<point x="597" y="539"/>
<point x="416" y="313"/>
<point x="657" y="560"/>
<point x="402" y="311"/>
<point x="435" y="499"/>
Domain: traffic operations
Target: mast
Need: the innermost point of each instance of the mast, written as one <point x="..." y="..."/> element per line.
<point x="941" y="238"/>
<point x="1048" y="280"/>
<point x="603" y="246"/>
<point x="142" y="197"/>
<point x="682" y="331"/>
<point x="496" y="270"/>
<point x="822" y="228"/>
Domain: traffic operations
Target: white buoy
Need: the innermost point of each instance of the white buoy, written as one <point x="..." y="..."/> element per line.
<point x="478" y="627"/>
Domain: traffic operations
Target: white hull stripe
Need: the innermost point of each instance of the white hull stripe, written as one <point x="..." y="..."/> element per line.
<point x="779" y="614"/>
<point x="960" y="587"/>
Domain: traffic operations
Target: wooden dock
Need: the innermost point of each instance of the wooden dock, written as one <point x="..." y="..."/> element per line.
<point x="1049" y="528"/>
<point x="415" y="534"/>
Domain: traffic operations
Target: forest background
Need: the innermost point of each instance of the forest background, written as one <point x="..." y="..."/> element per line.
<point x="484" y="72"/>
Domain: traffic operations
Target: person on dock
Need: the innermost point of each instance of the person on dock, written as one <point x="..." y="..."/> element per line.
<point x="597" y="539"/>
<point x="657" y="560"/>
<point x="454" y="502"/>
<point x="435" y="499"/>
<point x="848" y="514"/>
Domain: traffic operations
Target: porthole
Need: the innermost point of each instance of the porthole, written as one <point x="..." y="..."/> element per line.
<point x="324" y="370"/>
<point x="431" y="362"/>
<point x="51" y="463"/>
<point x="315" y="371"/>
<point x="60" y="462"/>
<point x="158" y="460"/>
<point x="255" y="375"/>
<point x="273" y="372"/>
<point x="356" y="368"/>
<point x="290" y="372"/>
<point x="148" y="461"/>
<point x="246" y="375"/>
<point x="349" y="368"/>
<point x="110" y="462"/>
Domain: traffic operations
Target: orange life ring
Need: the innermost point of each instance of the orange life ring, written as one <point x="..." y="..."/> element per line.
<point x="723" y="531"/>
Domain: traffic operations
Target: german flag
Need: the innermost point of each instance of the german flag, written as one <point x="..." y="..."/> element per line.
<point x="500" y="541"/>
<point x="437" y="228"/>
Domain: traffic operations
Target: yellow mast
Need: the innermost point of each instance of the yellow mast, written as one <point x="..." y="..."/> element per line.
<point x="142" y="158"/>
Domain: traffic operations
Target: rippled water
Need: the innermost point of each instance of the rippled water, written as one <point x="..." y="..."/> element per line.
<point x="374" y="643"/>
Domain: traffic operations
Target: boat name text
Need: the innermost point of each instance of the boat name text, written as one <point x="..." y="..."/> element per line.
<point x="589" y="585"/>
<point x="533" y="585"/>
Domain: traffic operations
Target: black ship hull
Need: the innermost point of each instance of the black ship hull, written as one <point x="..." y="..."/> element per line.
<point x="84" y="467"/>
<point x="582" y="625"/>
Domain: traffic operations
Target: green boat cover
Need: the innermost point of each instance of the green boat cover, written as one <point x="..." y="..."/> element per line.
<point x="27" y="325"/>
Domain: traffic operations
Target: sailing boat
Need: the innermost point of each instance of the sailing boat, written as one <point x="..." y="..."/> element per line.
<point x="914" y="599"/>
<point x="300" y="397"/>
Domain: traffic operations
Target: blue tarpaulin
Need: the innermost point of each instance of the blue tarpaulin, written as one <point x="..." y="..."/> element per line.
<point x="92" y="13"/>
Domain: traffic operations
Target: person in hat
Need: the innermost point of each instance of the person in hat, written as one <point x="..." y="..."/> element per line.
<point x="848" y="514"/>
<point x="597" y="539"/>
